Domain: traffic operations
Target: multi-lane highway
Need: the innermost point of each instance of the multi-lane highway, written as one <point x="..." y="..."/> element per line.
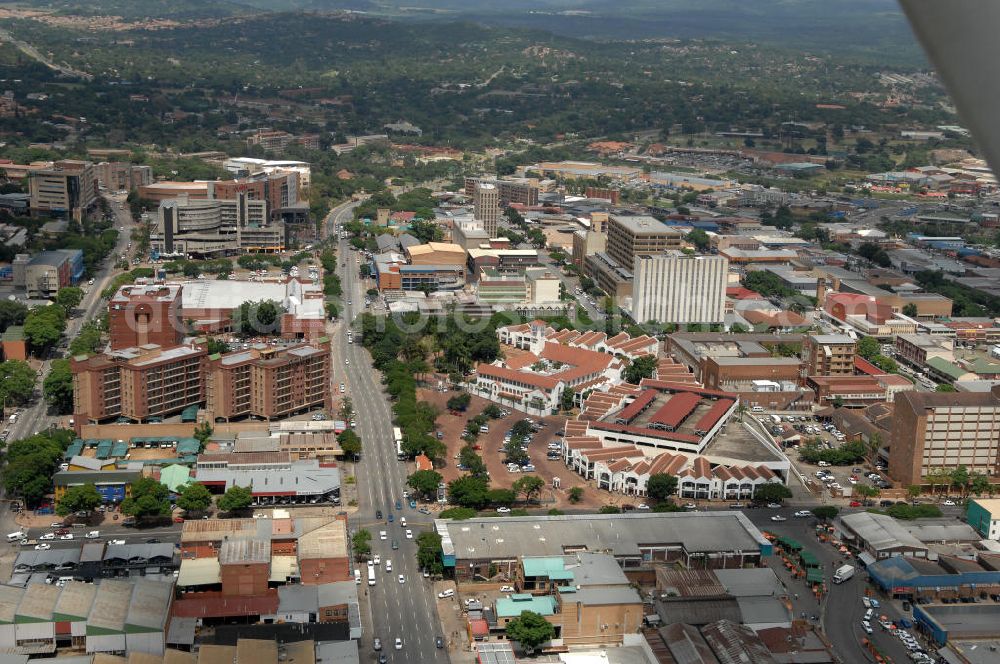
<point x="397" y="610"/>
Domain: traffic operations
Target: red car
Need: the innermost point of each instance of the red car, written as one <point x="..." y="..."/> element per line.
<point x="62" y="531"/>
<point x="855" y="503"/>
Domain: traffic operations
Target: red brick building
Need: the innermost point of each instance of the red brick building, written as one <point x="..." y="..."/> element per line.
<point x="146" y="314"/>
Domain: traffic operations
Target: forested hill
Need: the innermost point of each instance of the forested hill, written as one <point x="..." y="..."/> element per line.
<point x="866" y="26"/>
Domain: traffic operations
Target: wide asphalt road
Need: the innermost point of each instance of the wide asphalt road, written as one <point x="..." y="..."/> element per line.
<point x="398" y="610"/>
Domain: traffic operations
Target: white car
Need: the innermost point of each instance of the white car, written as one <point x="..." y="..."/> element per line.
<point x="48" y="536"/>
<point x="43" y="546"/>
<point x="118" y="542"/>
<point x="506" y="589"/>
<point x="778" y="517"/>
<point x="399" y="644"/>
<point x="377" y="560"/>
<point x="503" y="510"/>
<point x="802" y="513"/>
<point x="343" y="388"/>
<point x="402" y="579"/>
<point x="93" y="534"/>
<point x="409" y="534"/>
<point x="949" y="503"/>
<point x="774" y="506"/>
<point x="642" y="506"/>
<point x="867" y="626"/>
<point x="67" y="536"/>
<point x="382" y="535"/>
<point x="445" y="594"/>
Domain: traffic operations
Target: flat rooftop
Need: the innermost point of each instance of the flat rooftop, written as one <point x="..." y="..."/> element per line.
<point x="618" y="534"/>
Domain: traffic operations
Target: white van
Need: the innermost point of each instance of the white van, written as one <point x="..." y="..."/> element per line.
<point x="757" y="409"/>
<point x="357" y="576"/>
<point x="16" y="537"/>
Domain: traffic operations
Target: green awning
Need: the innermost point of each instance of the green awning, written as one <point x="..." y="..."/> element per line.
<point x="814" y="575"/>
<point x="809" y="559"/>
<point x="190" y="414"/>
<point x="790" y="544"/>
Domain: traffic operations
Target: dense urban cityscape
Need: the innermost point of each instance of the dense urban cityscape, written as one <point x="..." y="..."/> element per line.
<point x="359" y="332"/>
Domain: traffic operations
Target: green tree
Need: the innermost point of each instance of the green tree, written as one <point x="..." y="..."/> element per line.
<point x="492" y="411"/>
<point x="216" y="346"/>
<point x="429" y="556"/>
<point x="866" y="490"/>
<point x="361" y="544"/>
<point x="945" y="387"/>
<point x="699" y="239"/>
<point x="660" y="486"/>
<point x="472" y="462"/>
<point x="194" y="497"/>
<point x="567" y="398"/>
<point x="459" y="402"/>
<point x="149" y="498"/>
<point x="575" y="494"/>
<point x="87" y="341"/>
<point x="825" y="512"/>
<point x="771" y="493"/>
<point x="11" y="313"/>
<point x="530" y="486"/>
<point x="514" y="451"/>
<point x="910" y="310"/>
<point x="531" y="630"/>
<point x="913" y="491"/>
<point x="43" y="326"/>
<point x="258" y="318"/>
<point x="235" y="498"/>
<point x="457" y="513"/>
<point x="468" y="491"/>
<point x="17" y="382"/>
<point x="83" y="498"/>
<point x="641" y="367"/>
<point x="979" y="483"/>
<point x="960" y="478"/>
<point x="350" y="442"/>
<point x="203" y="432"/>
<point x="346" y="411"/>
<point x="69" y="297"/>
<point x="58" y="387"/>
<point x="425" y="483"/>
<point x="868" y="347"/>
<point x="501" y="497"/>
<point x="609" y="509"/>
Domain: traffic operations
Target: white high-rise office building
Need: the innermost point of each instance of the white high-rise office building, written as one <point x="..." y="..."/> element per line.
<point x="486" y="206"/>
<point x="676" y="288"/>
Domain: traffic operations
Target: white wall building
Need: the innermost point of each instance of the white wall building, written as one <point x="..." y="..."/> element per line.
<point x="675" y="288"/>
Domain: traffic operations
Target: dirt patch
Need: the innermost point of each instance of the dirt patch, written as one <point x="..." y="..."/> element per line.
<point x="492" y="442"/>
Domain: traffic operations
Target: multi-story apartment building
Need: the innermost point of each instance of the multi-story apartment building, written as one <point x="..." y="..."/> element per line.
<point x="675" y="288"/>
<point x="42" y="275"/>
<point x="216" y="227"/>
<point x="68" y="188"/>
<point x="122" y="176"/>
<point x="486" y="207"/>
<point x="932" y="431"/>
<point x="137" y="383"/>
<point x="269" y="382"/>
<point x="151" y="381"/>
<point x="146" y="314"/>
<point x="520" y="191"/>
<point x="828" y="354"/>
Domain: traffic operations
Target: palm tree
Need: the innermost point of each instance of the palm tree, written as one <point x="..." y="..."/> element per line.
<point x="874" y="444"/>
<point x="740" y="410"/>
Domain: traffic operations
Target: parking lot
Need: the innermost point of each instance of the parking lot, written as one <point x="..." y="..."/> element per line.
<point x="822" y="478"/>
<point x="491" y="442"/>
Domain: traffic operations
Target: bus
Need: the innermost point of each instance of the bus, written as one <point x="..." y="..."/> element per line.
<point x="397" y="436"/>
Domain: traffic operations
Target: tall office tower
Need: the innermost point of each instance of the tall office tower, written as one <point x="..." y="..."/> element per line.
<point x="674" y="288"/>
<point x="486" y="207"/>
